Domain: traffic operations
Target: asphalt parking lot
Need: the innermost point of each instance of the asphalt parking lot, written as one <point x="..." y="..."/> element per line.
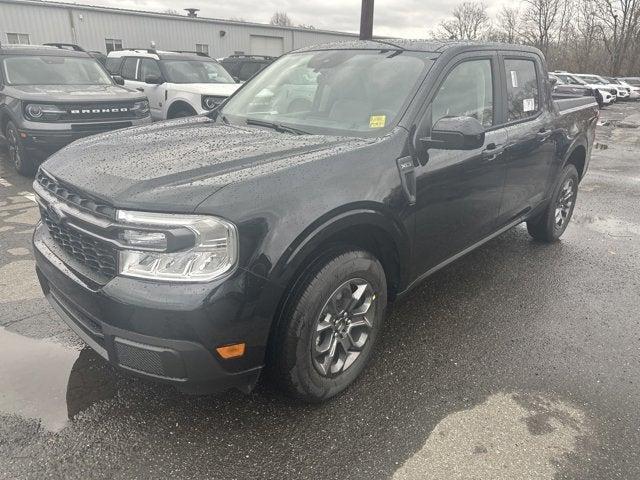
<point x="519" y="361"/>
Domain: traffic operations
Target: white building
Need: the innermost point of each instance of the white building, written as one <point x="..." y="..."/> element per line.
<point x="104" y="29"/>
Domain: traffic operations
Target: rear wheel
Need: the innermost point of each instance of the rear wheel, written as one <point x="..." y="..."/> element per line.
<point x="20" y="159"/>
<point x="551" y="224"/>
<point x="181" y="111"/>
<point x="329" y="326"/>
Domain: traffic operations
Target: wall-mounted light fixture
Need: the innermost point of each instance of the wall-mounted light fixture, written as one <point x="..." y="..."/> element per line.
<point x="223" y="33"/>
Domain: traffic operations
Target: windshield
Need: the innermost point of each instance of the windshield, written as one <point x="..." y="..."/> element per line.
<point x="53" y="70"/>
<point x="195" y="71"/>
<point x="350" y="92"/>
<point x="570" y="80"/>
<point x="596" y="80"/>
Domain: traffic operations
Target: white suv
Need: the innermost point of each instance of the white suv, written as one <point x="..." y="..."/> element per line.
<point x="608" y="95"/>
<point x="621" y="93"/>
<point x="177" y="84"/>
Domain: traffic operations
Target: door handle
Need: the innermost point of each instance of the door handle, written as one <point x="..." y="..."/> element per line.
<point x="140" y="89"/>
<point x="492" y="151"/>
<point x="543" y="133"/>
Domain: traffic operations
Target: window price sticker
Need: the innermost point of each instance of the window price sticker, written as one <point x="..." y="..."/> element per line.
<point x="514" y="79"/>
<point x="528" y="105"/>
<point x="377" y="121"/>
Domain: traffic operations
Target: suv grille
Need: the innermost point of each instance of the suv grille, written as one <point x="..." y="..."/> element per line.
<point x="70" y="196"/>
<point x="90" y="251"/>
<point x="97" y="111"/>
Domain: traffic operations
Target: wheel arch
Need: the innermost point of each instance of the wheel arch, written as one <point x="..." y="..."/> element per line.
<point x="577" y="156"/>
<point x="177" y="105"/>
<point x="362" y="228"/>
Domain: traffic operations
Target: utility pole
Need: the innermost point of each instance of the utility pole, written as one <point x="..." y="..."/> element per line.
<point x="366" y="20"/>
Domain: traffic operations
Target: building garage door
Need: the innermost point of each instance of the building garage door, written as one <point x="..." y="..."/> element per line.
<point x="263" y="45"/>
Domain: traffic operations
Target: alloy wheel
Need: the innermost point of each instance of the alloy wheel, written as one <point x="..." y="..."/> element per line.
<point x="343" y="327"/>
<point x="565" y="202"/>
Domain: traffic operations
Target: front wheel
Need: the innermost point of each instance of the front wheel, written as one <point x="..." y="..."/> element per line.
<point x="551" y="224"/>
<point x="329" y="326"/>
<point x="20" y="159"/>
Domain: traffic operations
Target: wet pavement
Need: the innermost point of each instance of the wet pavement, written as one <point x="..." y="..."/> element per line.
<point x="521" y="360"/>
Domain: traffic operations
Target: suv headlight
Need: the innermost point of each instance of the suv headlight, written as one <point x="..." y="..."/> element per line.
<point x="40" y="112"/>
<point x="141" y="108"/>
<point x="209" y="102"/>
<point x="167" y="247"/>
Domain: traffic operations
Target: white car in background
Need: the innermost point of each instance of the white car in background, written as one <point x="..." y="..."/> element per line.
<point x="177" y="84"/>
<point x="634" y="91"/>
<point x="608" y="95"/>
<point x="621" y="93"/>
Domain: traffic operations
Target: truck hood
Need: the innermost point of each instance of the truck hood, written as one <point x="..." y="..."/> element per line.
<point x="73" y="93"/>
<point x="221" y="89"/>
<point x="173" y="166"/>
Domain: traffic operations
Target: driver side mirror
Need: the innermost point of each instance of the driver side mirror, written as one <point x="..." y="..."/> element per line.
<point x="118" y="79"/>
<point x="153" y="80"/>
<point x="455" y="133"/>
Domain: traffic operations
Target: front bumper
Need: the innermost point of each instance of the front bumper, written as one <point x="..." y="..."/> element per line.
<point x="43" y="143"/>
<point x="164" y="332"/>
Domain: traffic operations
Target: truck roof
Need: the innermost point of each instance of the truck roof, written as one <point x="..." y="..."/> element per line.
<point x="431" y="46"/>
<point x="40" y="50"/>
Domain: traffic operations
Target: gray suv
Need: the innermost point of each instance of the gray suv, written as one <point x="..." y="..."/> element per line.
<point x="51" y="96"/>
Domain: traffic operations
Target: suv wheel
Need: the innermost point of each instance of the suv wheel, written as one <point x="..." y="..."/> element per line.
<point x="329" y="326"/>
<point x="182" y="112"/>
<point x="552" y="223"/>
<point x="17" y="155"/>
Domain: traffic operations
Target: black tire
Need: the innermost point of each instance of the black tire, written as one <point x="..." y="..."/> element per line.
<point x="598" y="96"/>
<point x="295" y="359"/>
<point x="20" y="159"/>
<point x="551" y="224"/>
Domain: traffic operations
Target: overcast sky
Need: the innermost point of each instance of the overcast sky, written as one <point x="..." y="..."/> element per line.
<point x="400" y="18"/>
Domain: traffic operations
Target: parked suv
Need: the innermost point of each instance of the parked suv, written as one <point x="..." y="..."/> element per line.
<point x="51" y="96"/>
<point x="261" y="235"/>
<point x="177" y="84"/>
<point x="243" y="67"/>
<point x="605" y="95"/>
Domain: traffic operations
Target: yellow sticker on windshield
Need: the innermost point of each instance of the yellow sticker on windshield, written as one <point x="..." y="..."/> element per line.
<point x="377" y="121"/>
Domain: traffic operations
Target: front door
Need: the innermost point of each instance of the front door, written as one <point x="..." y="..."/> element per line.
<point x="155" y="93"/>
<point x="459" y="191"/>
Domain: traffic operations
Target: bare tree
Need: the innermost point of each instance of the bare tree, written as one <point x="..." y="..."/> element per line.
<point x="469" y="21"/>
<point x="619" y="20"/>
<point x="281" y="19"/>
<point x="542" y="17"/>
<point x="509" y="20"/>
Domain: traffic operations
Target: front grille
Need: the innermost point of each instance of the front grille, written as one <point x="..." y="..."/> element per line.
<point x="69" y="195"/>
<point x="97" y="255"/>
<point x="102" y="111"/>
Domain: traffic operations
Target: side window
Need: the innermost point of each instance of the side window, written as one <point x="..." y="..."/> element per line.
<point x="466" y="92"/>
<point x="248" y="69"/>
<point x="149" y="67"/>
<point x="113" y="65"/>
<point x="522" y="89"/>
<point x="129" y="68"/>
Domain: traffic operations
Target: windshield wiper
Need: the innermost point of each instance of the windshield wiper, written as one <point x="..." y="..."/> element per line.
<point x="278" y="127"/>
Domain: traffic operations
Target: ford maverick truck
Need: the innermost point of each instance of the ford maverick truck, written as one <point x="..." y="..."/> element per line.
<point x="269" y="235"/>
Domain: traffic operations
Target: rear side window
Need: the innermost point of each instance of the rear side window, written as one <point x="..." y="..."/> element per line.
<point x="129" y="68"/>
<point x="248" y="69"/>
<point x="113" y="65"/>
<point x="523" y="99"/>
<point x="466" y="92"/>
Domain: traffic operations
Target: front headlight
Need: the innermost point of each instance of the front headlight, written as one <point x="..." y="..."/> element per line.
<point x="141" y="108"/>
<point x="40" y="112"/>
<point x="190" y="248"/>
<point x="209" y="102"/>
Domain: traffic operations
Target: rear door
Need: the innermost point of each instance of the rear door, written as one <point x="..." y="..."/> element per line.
<point x="458" y="191"/>
<point x="530" y="125"/>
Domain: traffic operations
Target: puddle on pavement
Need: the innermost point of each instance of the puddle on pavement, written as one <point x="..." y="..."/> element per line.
<point x="49" y="382"/>
<point x="508" y="436"/>
<point x="613" y="227"/>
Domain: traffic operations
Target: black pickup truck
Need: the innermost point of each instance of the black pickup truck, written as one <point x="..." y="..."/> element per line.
<point x="272" y="233"/>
